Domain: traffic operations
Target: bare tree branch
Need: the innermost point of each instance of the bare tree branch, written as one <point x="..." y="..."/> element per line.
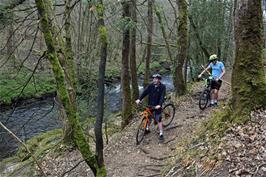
<point x="26" y="147"/>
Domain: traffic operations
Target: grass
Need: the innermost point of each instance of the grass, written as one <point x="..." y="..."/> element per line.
<point x="40" y="145"/>
<point x="11" y="86"/>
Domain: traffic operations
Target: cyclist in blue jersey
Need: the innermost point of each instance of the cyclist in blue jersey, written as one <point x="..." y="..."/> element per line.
<point x="217" y="72"/>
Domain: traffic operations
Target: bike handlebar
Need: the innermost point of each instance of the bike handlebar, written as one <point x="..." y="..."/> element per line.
<point x="147" y="106"/>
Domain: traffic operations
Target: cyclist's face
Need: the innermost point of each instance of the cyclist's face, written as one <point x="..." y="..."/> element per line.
<point x="214" y="61"/>
<point x="156" y="80"/>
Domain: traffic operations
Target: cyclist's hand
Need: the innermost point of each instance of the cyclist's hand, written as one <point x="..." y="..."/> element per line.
<point x="138" y="101"/>
<point x="217" y="79"/>
<point x="158" y="107"/>
<point x="199" y="76"/>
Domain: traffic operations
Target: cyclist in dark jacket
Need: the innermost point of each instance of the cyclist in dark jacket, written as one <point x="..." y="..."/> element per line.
<point x="156" y="94"/>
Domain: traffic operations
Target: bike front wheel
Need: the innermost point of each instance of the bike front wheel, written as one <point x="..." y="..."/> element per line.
<point x="168" y="114"/>
<point x="141" y="131"/>
<point x="204" y="99"/>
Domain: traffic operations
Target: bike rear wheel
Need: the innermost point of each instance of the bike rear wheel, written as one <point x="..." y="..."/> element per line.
<point x="141" y="131"/>
<point x="204" y="99"/>
<point x="168" y="114"/>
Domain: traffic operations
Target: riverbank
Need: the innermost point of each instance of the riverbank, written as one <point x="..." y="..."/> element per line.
<point x="19" y="102"/>
<point x="18" y="87"/>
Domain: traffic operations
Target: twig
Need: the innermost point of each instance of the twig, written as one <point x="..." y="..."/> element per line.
<point x="144" y="150"/>
<point x="160" y="158"/>
<point x="152" y="169"/>
<point x="30" y="50"/>
<point x="170" y="140"/>
<point x="173" y="127"/>
<point x="157" y="174"/>
<point x="154" y="165"/>
<point x="72" y="168"/>
<point x="27" y="149"/>
<point x="197" y="145"/>
<point x="27" y="82"/>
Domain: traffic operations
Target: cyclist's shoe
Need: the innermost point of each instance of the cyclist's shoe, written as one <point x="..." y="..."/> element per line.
<point x="212" y="105"/>
<point x="161" y="138"/>
<point x="215" y="104"/>
<point x="147" y="130"/>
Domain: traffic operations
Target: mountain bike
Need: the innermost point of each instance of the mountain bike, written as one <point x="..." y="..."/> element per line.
<point x="205" y="95"/>
<point x="147" y="115"/>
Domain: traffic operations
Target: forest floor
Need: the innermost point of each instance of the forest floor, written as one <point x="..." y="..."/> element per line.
<point x="124" y="158"/>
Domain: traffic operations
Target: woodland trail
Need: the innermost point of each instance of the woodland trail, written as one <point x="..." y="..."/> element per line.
<point x="123" y="158"/>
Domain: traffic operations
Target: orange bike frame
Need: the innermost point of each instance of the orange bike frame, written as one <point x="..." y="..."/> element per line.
<point x="147" y="112"/>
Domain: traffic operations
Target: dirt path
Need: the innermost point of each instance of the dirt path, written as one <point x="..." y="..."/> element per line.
<point x="124" y="158"/>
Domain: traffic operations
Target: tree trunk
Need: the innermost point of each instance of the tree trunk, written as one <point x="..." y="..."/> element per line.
<point x="149" y="41"/>
<point x="133" y="65"/>
<point x="248" y="80"/>
<point x="202" y="47"/>
<point x="164" y="34"/>
<point x="79" y="39"/>
<point x="229" y="37"/>
<point x="70" y="67"/>
<point x="126" y="94"/>
<point x="100" y="100"/>
<point x="264" y="23"/>
<point x="63" y="84"/>
<point x="182" y="43"/>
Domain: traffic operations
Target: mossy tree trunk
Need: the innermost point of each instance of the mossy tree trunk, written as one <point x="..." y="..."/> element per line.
<point x="126" y="93"/>
<point x="248" y="79"/>
<point x="100" y="98"/>
<point x="149" y="42"/>
<point x="70" y="69"/>
<point x="57" y="59"/>
<point x="133" y="65"/>
<point x="182" y="43"/>
<point x="63" y="48"/>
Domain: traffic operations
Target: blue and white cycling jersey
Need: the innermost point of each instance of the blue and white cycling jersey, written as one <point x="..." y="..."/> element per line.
<point x="217" y="69"/>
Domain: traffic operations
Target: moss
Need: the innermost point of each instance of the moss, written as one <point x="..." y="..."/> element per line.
<point x="11" y="87"/>
<point x="101" y="172"/>
<point x="112" y="72"/>
<point x="218" y="123"/>
<point x="38" y="145"/>
<point x="17" y="168"/>
<point x="103" y="33"/>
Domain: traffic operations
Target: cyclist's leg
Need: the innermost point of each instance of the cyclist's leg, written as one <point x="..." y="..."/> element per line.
<point x="148" y="125"/>
<point x="158" y="118"/>
<point x="215" y="96"/>
<point x="217" y="87"/>
<point x="212" y="92"/>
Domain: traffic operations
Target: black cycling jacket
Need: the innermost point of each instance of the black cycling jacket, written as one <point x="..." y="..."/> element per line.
<point x="156" y="94"/>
